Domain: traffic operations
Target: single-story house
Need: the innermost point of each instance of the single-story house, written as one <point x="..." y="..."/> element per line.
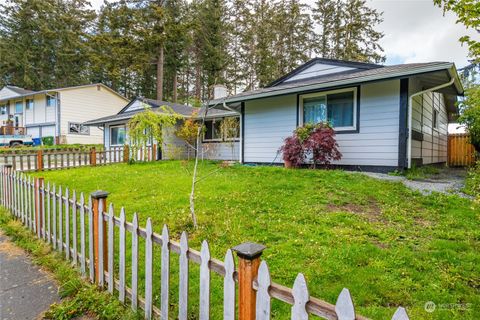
<point x="59" y="112"/>
<point x="214" y="144"/>
<point x="385" y="117"/>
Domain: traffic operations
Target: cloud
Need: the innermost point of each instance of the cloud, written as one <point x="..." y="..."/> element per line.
<point x="418" y="31"/>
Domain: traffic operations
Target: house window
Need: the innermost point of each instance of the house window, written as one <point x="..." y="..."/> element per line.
<point x="78" y="128"/>
<point x="212" y="130"/>
<point x="232" y="130"/>
<point x="18" y="107"/>
<point x="339" y="108"/>
<point x="117" y="135"/>
<point x="435" y="119"/>
<point x="3" y="109"/>
<point x="51" y="101"/>
<point x="29" y="104"/>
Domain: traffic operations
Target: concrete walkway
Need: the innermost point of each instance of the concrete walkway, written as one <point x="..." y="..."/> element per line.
<point x="26" y="291"/>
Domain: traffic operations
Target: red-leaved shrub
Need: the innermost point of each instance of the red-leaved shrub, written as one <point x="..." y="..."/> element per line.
<point x="315" y="142"/>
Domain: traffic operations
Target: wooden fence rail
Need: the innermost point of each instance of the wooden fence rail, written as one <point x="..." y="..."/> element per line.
<point x="65" y="159"/>
<point x="84" y="230"/>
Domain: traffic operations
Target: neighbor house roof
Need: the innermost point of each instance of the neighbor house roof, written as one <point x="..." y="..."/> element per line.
<point x="26" y="93"/>
<point x="18" y="90"/>
<point x="439" y="71"/>
<point x="155" y="105"/>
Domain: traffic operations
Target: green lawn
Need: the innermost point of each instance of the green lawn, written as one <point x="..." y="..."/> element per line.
<point x="390" y="246"/>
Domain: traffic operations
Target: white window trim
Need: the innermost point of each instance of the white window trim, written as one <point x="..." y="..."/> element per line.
<point x="325" y="93"/>
<point x="110" y="134"/>
<point x="77" y="133"/>
<point x="212" y="140"/>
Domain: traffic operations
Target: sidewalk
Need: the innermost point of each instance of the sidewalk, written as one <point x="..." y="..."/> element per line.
<point x="26" y="291"/>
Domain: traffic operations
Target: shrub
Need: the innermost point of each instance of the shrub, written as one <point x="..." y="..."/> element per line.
<point x="472" y="183"/>
<point x="47" y="141"/>
<point x="315" y="142"/>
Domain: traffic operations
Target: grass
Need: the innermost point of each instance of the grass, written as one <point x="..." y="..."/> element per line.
<point x="78" y="296"/>
<point x="420" y="173"/>
<point x="389" y="245"/>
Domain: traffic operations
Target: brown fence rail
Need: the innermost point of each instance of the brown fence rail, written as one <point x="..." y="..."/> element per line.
<point x="63" y="159"/>
<point x="84" y="231"/>
<point x="460" y="152"/>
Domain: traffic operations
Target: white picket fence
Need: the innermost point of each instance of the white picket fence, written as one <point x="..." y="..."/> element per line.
<point x="66" y="222"/>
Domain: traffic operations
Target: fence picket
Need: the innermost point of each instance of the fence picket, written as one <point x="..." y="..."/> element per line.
<point x="344" y="306"/>
<point x="183" y="283"/>
<point x="54" y="216"/>
<point x="67" y="224"/>
<point x="263" y="297"/>
<point x="49" y="217"/>
<point x="111" y="239"/>
<point x="165" y="277"/>
<point x="134" y="261"/>
<point x="204" y="282"/>
<point x="91" y="258"/>
<point x="121" y="262"/>
<point x="400" y="314"/>
<point x="29" y="193"/>
<point x="300" y="297"/>
<point x="74" y="228"/>
<point x="229" y="287"/>
<point x="148" y="270"/>
<point x="101" y="273"/>
<point x="41" y="190"/>
<point x="83" y="268"/>
<point x="60" y="220"/>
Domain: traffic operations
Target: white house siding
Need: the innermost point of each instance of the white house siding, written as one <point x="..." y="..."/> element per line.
<point x="433" y="148"/>
<point x="85" y="103"/>
<point x="269" y="121"/>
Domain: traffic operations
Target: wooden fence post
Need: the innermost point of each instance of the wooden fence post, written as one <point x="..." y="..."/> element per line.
<point x="126" y="153"/>
<point x="249" y="261"/>
<point x="38" y="205"/>
<point x="39" y="160"/>
<point x="93" y="157"/>
<point x="97" y="197"/>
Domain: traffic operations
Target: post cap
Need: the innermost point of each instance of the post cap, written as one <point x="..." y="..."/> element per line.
<point x="99" y="194"/>
<point x="249" y="250"/>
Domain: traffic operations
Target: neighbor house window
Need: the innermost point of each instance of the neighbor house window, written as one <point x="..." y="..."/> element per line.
<point x="435" y="118"/>
<point x="117" y="135"/>
<point x="339" y="108"/>
<point x="18" y="107"/>
<point x="3" y="109"/>
<point x="232" y="130"/>
<point x="78" y="128"/>
<point x="50" y="101"/>
<point x="212" y="130"/>
<point x="29" y="104"/>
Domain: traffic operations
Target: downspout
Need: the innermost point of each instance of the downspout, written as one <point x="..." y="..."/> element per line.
<point x="410" y="102"/>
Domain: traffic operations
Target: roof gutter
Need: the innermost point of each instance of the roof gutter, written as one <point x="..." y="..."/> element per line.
<point x="410" y="102"/>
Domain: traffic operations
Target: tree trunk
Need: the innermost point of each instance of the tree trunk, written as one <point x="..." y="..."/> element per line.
<point x="198" y="82"/>
<point x="175" y="84"/>
<point x="160" y="62"/>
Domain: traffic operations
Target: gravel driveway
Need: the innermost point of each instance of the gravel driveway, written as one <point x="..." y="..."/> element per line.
<point x="448" y="180"/>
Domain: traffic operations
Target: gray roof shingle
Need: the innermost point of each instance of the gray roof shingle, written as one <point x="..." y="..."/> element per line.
<point x="356" y="76"/>
<point x="156" y="105"/>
